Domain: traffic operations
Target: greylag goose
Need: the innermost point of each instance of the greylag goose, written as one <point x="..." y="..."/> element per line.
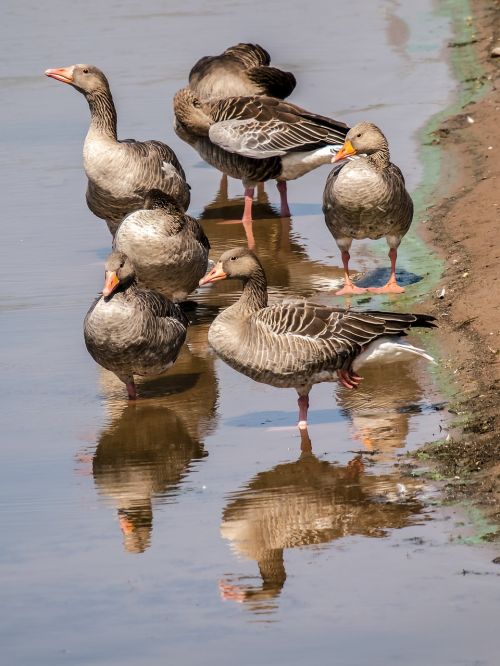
<point x="119" y="172"/>
<point x="241" y="70"/>
<point x="256" y="138"/>
<point x="168" y="249"/>
<point x="132" y="331"/>
<point x="296" y="344"/>
<point x="367" y="198"/>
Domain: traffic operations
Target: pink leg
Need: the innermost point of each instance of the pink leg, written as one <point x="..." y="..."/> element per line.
<point x="303" y="403"/>
<point x="348" y="378"/>
<point x="247" y="212"/>
<point x="131" y="390"/>
<point x="392" y="287"/>
<point x="223" y="186"/>
<point x="285" y="210"/>
<point x="349" y="288"/>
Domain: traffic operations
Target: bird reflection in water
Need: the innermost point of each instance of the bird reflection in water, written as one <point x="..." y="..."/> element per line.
<point x="382" y="406"/>
<point x="150" y="446"/>
<point x="302" y="503"/>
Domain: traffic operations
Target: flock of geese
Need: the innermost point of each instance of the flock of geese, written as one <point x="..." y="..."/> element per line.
<point x="233" y="113"/>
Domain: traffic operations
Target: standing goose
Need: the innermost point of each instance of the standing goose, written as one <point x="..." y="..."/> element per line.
<point x="296" y="344"/>
<point x="241" y="70"/>
<point x="119" y="172"/>
<point x="132" y="331"/>
<point x="168" y="249"/>
<point x="367" y="198"/>
<point x="257" y="138"/>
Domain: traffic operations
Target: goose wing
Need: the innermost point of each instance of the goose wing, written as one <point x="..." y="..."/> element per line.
<point x="261" y="127"/>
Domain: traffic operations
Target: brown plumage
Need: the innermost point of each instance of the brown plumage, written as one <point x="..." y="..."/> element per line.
<point x="243" y="69"/>
<point x="296" y="344"/>
<point x="367" y="198"/>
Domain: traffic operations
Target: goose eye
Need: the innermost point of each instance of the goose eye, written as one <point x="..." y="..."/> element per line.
<point x="232" y="259"/>
<point x="85" y="71"/>
<point x="358" y="136"/>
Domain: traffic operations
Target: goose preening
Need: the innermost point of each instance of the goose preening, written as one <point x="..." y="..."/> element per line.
<point x="243" y="69"/>
<point x="367" y="198"/>
<point x="296" y="344"/>
<point x="256" y="138"/>
<point x="119" y="172"/>
<point x="167" y="247"/>
<point x="132" y="331"/>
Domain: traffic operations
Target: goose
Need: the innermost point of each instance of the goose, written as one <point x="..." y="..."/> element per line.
<point x="119" y="172"/>
<point x="257" y="138"/>
<point x="296" y="344"/>
<point x="168" y="249"/>
<point x="242" y="69"/>
<point x="132" y="331"/>
<point x="367" y="198"/>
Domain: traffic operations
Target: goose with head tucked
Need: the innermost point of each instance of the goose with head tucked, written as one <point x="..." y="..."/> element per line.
<point x="118" y="171"/>
<point x="132" y="331"/>
<point x="242" y="69"/>
<point x="367" y="198"/>
<point x="167" y="247"/>
<point x="257" y="138"/>
<point x="296" y="344"/>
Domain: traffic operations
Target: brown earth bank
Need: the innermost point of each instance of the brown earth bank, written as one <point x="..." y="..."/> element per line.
<point x="465" y="227"/>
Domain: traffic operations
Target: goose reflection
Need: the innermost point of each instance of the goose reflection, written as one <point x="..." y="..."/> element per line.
<point x="281" y="251"/>
<point x="149" y="447"/>
<point x="302" y="503"/>
<point x="382" y="407"/>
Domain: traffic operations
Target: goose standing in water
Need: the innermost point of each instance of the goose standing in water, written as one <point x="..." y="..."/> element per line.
<point x="119" y="172"/>
<point x="132" y="331"/>
<point x="257" y="138"/>
<point x="367" y="198"/>
<point x="243" y="69"/>
<point x="296" y="344"/>
<point x="168" y="249"/>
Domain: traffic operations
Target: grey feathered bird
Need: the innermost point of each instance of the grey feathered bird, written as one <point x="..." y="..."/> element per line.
<point x="367" y="198"/>
<point x="132" y="331"/>
<point x="296" y="344"/>
<point x="167" y="247"/>
<point x="119" y="171"/>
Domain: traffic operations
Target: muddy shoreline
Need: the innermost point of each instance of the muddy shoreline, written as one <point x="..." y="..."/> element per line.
<point x="462" y="223"/>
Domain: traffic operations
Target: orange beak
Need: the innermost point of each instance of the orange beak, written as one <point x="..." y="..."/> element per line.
<point x="110" y="284"/>
<point x="215" y="274"/>
<point x="64" y="74"/>
<point x="346" y="150"/>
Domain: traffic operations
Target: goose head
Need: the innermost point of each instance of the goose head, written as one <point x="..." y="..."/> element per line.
<point x="119" y="272"/>
<point x="156" y="199"/>
<point x="364" y="138"/>
<point x="237" y="264"/>
<point x="87" y="79"/>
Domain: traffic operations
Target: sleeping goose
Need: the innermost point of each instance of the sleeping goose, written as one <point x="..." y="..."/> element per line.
<point x="257" y="138"/>
<point x="367" y="198"/>
<point x="242" y="69"/>
<point x="168" y="249"/>
<point x="132" y="331"/>
<point x="119" y="172"/>
<point x="296" y="344"/>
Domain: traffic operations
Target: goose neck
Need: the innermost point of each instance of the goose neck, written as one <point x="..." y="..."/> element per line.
<point x="380" y="159"/>
<point x="102" y="113"/>
<point x="254" y="294"/>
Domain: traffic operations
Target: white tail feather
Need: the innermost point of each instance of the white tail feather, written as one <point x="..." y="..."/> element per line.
<point x="387" y="350"/>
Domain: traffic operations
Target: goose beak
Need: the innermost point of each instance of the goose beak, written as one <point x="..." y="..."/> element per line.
<point x="110" y="284"/>
<point x="64" y="74"/>
<point x="215" y="274"/>
<point x="346" y="150"/>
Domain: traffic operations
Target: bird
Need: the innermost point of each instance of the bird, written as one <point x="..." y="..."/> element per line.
<point x="132" y="331"/>
<point x="119" y="171"/>
<point x="367" y="198"/>
<point x="296" y="344"/>
<point x="257" y="138"/>
<point x="242" y="69"/>
<point x="167" y="247"/>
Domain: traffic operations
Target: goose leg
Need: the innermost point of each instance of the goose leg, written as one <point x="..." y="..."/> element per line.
<point x="349" y="287"/>
<point x="392" y="287"/>
<point x="247" y="211"/>
<point x="260" y="189"/>
<point x="223" y="187"/>
<point x="131" y="389"/>
<point x="285" y="210"/>
<point x="303" y="403"/>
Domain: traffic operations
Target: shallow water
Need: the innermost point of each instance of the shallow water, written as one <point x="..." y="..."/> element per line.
<point x="196" y="527"/>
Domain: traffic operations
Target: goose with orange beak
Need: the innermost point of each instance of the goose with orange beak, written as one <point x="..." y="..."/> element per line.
<point x="366" y="198"/>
